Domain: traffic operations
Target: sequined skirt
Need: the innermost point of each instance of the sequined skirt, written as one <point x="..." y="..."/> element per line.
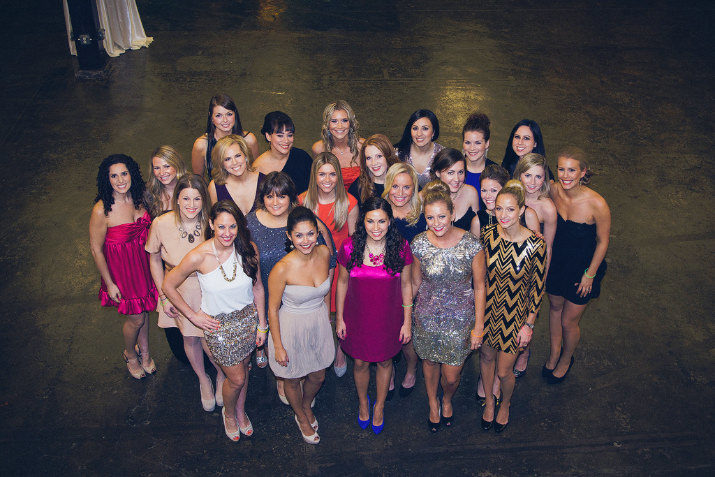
<point x="236" y="338"/>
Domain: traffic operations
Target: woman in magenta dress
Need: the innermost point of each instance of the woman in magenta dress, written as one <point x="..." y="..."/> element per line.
<point x="374" y="302"/>
<point x="118" y="229"/>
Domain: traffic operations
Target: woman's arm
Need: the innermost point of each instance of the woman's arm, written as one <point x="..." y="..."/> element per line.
<point x="352" y="219"/>
<point x="212" y="192"/>
<point x="156" y="267"/>
<point x="416" y="276"/>
<point x="532" y="220"/>
<point x="407" y="304"/>
<point x="602" y="215"/>
<point x="198" y="155"/>
<point x="317" y="148"/>
<point x="479" y="271"/>
<point x="340" y="292"/>
<point x="276" y="287"/>
<point x="475" y="227"/>
<point x="190" y="264"/>
<point x="252" y="144"/>
<point x="259" y="300"/>
<point x="549" y="230"/>
<point x="97" y="234"/>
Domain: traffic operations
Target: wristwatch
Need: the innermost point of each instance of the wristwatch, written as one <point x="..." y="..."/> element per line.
<point x="529" y="325"/>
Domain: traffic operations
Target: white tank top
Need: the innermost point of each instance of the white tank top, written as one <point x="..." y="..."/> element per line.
<point x="221" y="296"/>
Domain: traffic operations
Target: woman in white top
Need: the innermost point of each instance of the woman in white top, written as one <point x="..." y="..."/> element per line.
<point x="232" y="301"/>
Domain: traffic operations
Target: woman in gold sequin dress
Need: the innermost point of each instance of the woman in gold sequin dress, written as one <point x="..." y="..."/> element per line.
<point x="448" y="276"/>
<point x="516" y="260"/>
<point x="232" y="304"/>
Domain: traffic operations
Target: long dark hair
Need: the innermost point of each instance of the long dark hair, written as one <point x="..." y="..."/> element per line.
<point x="225" y="101"/>
<point x="393" y="261"/>
<point x="297" y="215"/>
<point x="403" y="146"/>
<point x="242" y="243"/>
<point x="104" y="187"/>
<point x="510" y="157"/>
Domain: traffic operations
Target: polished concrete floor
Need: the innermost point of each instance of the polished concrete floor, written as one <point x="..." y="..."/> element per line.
<point x="631" y="82"/>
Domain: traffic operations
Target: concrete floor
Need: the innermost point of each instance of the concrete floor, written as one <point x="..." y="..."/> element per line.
<point x="630" y="81"/>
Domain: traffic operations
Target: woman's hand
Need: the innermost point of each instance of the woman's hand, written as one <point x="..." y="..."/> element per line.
<point x="281" y="356"/>
<point x="477" y="338"/>
<point x="169" y="309"/>
<point x="260" y="338"/>
<point x="114" y="293"/>
<point x="405" y="333"/>
<point x="205" y="322"/>
<point x="523" y="338"/>
<point x="340" y="329"/>
<point x="584" y="288"/>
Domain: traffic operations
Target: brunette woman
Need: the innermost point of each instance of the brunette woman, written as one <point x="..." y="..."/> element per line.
<point x="475" y="146"/>
<point x="231" y="313"/>
<point x="233" y="177"/>
<point x="223" y="119"/>
<point x="374" y="280"/>
<point x="524" y="138"/>
<point x="578" y="265"/>
<point x="301" y="340"/>
<point x="118" y="229"/>
<point x="417" y="146"/>
<point x="340" y="136"/>
<point x="267" y="223"/>
<point x="327" y="198"/>
<point x="279" y="131"/>
<point x="449" y="166"/>
<point x="171" y="237"/>
<point x="516" y="263"/>
<point x="448" y="281"/>
<point x="376" y="157"/>
<point x="167" y="168"/>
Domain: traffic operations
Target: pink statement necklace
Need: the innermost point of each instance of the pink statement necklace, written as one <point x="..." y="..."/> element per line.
<point x="376" y="258"/>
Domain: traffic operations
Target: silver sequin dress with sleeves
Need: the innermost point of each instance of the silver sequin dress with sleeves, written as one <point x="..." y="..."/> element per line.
<point x="444" y="307"/>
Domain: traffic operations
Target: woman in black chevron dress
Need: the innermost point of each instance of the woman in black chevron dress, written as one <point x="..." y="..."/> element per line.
<point x="515" y="284"/>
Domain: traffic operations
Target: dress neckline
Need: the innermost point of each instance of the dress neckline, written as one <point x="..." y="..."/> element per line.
<point x="311" y="286"/>
<point x="573" y="221"/>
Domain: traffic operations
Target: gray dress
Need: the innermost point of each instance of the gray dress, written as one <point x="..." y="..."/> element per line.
<point x="305" y="330"/>
<point x="444" y="308"/>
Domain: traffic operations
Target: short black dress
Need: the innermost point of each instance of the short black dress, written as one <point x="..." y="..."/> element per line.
<point x="574" y="245"/>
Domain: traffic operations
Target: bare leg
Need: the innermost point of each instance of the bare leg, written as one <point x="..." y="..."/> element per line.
<point x="570" y="317"/>
<point x="195" y="354"/>
<point x="339" y="357"/>
<point x="241" y="417"/>
<point x="311" y="386"/>
<point x="384" y="372"/>
<point x="556" y="306"/>
<point x="361" y="374"/>
<point x="431" y="372"/>
<point x="408" y="350"/>
<point x="495" y="387"/>
<point x="450" y="382"/>
<point x="522" y="360"/>
<point x="130" y="329"/>
<point x="505" y="367"/>
<point x="143" y="338"/>
<point x="487" y="363"/>
<point x="220" y="377"/>
<point x="232" y="387"/>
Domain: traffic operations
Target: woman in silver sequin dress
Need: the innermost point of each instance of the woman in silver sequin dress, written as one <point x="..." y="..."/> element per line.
<point x="448" y="277"/>
<point x="232" y="303"/>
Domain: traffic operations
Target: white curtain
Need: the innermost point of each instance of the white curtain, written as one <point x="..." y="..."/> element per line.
<point x="123" y="28"/>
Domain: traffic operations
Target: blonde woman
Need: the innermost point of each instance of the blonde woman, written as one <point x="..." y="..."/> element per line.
<point x="327" y="198"/>
<point x="233" y="177"/>
<point x="401" y="192"/>
<point x="340" y="136"/>
<point x="166" y="168"/>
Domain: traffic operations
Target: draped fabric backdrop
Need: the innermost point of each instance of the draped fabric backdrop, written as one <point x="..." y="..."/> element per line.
<point x="123" y="28"/>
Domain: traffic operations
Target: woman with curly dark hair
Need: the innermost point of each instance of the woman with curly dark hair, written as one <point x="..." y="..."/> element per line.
<point x="232" y="305"/>
<point x="118" y="229"/>
<point x="374" y="302"/>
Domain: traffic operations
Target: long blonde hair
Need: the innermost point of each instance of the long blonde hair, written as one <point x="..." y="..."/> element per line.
<point x="353" y="136"/>
<point x="416" y="201"/>
<point x="340" y="206"/>
<point x="155" y="189"/>
<point x="532" y="160"/>
<point x="220" y="150"/>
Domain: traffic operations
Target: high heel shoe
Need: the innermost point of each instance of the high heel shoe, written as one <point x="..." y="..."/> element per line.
<point x="500" y="427"/>
<point x="551" y="379"/>
<point x="546" y="372"/>
<point x="135" y="373"/>
<point x="208" y="404"/>
<point x="235" y="435"/>
<point x="486" y="425"/>
<point x="377" y="429"/>
<point x="150" y="367"/>
<point x="311" y="439"/>
<point x="366" y="422"/>
<point x="517" y="373"/>
<point x="434" y="426"/>
<point x="246" y="430"/>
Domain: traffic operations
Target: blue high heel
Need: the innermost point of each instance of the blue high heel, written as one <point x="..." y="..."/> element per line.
<point x="377" y="429"/>
<point x="366" y="422"/>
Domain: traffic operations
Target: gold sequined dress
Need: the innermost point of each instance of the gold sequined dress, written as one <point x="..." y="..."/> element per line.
<point x="444" y="307"/>
<point x="515" y="286"/>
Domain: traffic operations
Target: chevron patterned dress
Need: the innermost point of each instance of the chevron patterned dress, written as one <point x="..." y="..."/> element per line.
<point x="515" y="286"/>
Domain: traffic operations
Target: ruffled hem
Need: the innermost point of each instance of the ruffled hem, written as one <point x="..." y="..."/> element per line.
<point x="131" y="306"/>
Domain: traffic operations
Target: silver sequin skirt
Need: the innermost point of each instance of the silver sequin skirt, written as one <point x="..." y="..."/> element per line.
<point x="236" y="338"/>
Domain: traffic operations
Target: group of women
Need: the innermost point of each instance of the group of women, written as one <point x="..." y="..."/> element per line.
<point x="438" y="252"/>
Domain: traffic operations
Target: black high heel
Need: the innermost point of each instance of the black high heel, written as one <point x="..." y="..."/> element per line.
<point x="551" y="379"/>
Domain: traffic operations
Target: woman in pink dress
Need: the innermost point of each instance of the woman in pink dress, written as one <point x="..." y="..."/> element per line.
<point x="374" y="298"/>
<point x="118" y="229"/>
